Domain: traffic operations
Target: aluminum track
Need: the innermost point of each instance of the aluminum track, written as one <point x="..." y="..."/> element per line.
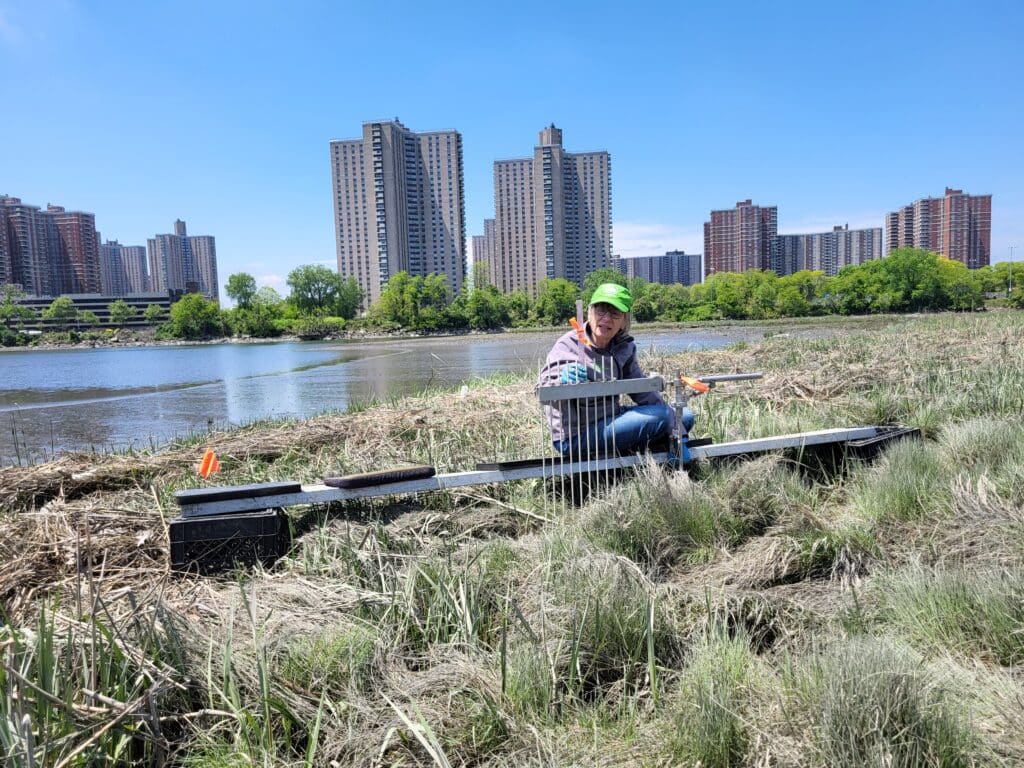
<point x="323" y="494"/>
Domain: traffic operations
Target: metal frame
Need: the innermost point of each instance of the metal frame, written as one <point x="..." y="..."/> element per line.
<point x="323" y="494"/>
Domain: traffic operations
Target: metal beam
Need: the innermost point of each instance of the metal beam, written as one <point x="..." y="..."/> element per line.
<point x="323" y="494"/>
<point x="589" y="389"/>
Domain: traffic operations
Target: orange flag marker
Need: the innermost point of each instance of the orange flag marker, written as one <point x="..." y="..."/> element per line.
<point x="209" y="464"/>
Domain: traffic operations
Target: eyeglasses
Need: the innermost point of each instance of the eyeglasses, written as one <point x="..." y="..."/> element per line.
<point x="607" y="310"/>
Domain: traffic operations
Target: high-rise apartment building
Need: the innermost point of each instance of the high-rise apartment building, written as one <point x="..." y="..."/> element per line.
<point x="204" y="256"/>
<point x="956" y="225"/>
<point x="485" y="247"/>
<point x="6" y="266"/>
<point x="80" y="252"/>
<point x="48" y="253"/>
<point x="399" y="205"/>
<point x="552" y="215"/>
<point x="674" y="267"/>
<point x="123" y="269"/>
<point x="827" y="252"/>
<point x="179" y="262"/>
<point x="740" y="238"/>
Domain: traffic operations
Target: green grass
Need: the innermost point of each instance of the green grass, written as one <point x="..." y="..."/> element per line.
<point x="713" y="702"/>
<point x="752" y="614"/>
<point x="978" y="614"/>
<point x="867" y="701"/>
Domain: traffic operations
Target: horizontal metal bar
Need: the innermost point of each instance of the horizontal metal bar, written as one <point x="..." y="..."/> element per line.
<point x="323" y="494"/>
<point x="718" y="378"/>
<point x="795" y="440"/>
<point x="589" y="389"/>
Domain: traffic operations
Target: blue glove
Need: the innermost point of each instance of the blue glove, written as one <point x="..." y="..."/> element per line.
<point x="573" y="373"/>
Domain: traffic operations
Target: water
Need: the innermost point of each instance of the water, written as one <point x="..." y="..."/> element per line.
<point x="113" y="399"/>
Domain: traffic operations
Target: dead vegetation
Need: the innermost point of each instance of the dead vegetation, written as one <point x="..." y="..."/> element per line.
<point x="490" y="628"/>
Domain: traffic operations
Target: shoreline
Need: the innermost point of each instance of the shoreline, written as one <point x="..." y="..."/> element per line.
<point x="148" y="340"/>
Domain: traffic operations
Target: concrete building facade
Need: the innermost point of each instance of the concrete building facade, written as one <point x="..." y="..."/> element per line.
<point x="485" y="248"/>
<point x="740" y="238"/>
<point x="552" y="215"/>
<point x="399" y="205"/>
<point x="123" y="269"/>
<point x="179" y="262"/>
<point x="957" y="225"/>
<point x="672" y="268"/>
<point x="204" y="256"/>
<point x="827" y="252"/>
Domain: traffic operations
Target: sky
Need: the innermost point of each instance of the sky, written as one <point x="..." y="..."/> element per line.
<point x="221" y="113"/>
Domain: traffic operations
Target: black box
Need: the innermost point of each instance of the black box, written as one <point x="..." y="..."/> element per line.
<point x="221" y="542"/>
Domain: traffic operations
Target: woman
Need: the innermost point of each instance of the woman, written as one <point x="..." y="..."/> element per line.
<point x="602" y="350"/>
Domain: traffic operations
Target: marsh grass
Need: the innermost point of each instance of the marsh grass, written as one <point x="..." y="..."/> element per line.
<point x="868" y="701"/>
<point x="712" y="706"/>
<point x="752" y="614"/>
<point x="910" y="483"/>
<point x="941" y="610"/>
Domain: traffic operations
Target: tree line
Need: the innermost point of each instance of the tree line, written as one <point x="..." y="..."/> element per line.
<point x="321" y="302"/>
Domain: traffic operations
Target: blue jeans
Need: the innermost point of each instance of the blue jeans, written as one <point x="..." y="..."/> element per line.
<point x="633" y="429"/>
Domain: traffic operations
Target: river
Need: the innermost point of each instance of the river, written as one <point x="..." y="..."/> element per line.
<point x="140" y="397"/>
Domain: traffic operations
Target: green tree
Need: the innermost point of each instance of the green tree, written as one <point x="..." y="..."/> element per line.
<point x="315" y="288"/>
<point x="350" y="298"/>
<point x="195" y="317"/>
<point x="791" y="302"/>
<point x="485" y="308"/>
<point x="241" y="288"/>
<point x="763" y="290"/>
<point x="481" y="274"/>
<point x="153" y="314"/>
<point x="399" y="302"/>
<point x="647" y="299"/>
<point x="62" y="313"/>
<point x="10" y="311"/>
<point x="518" y="306"/>
<point x="961" y="286"/>
<point x="261" y="319"/>
<point x="121" y="312"/>
<point x="599" y="276"/>
<point x="726" y="291"/>
<point x="88" y="318"/>
<point x="556" y="301"/>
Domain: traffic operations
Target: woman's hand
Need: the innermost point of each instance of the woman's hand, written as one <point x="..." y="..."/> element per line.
<point x="574" y="373"/>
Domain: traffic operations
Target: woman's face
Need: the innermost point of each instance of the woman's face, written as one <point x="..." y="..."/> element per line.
<point x="605" y="321"/>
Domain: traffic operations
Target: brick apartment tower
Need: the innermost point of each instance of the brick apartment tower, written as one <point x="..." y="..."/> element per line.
<point x="552" y="215"/>
<point x="48" y="253"/>
<point x="80" y="257"/>
<point x="956" y="225"/>
<point x="399" y="206"/>
<point x="739" y="239"/>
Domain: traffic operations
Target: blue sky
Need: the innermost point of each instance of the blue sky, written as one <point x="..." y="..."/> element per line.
<point x="221" y="113"/>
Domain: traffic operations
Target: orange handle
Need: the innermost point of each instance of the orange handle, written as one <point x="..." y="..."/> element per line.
<point x="695" y="384"/>
<point x="580" y="333"/>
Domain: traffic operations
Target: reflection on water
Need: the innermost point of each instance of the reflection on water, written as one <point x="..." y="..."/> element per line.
<point x="112" y="399"/>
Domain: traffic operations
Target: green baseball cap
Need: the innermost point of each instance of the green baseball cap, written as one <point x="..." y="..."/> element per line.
<point x="614" y="294"/>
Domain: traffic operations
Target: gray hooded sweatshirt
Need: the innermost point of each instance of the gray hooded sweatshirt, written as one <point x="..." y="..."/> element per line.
<point x="618" y="361"/>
